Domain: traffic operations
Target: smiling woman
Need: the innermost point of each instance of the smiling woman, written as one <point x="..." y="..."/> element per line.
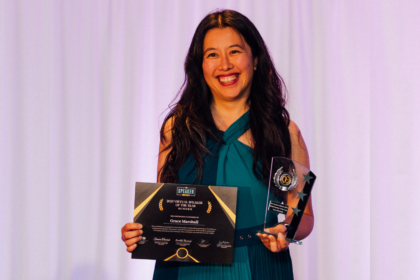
<point x="229" y="122"/>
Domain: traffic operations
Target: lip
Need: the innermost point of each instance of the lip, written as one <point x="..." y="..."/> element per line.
<point x="228" y="83"/>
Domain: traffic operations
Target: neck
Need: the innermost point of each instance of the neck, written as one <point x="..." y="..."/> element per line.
<point x="227" y="112"/>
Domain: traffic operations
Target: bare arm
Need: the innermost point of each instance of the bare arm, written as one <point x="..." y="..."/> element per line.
<point x="299" y="154"/>
<point x="163" y="151"/>
<point x="131" y="233"/>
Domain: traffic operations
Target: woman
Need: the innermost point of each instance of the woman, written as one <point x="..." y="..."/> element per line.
<point x="229" y="122"/>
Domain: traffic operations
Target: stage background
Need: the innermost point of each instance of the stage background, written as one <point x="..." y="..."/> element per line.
<point x="84" y="86"/>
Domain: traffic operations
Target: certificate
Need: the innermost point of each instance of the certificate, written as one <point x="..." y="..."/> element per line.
<point x="185" y="223"/>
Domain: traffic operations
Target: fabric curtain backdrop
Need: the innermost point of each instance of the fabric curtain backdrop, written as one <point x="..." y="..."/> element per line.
<point x="84" y="86"/>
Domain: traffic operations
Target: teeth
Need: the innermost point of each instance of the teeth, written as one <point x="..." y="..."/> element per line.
<point x="228" y="79"/>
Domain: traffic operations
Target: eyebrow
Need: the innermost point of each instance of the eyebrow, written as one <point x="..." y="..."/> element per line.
<point x="213" y="49"/>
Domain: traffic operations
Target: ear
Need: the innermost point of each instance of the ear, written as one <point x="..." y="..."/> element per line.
<point x="255" y="61"/>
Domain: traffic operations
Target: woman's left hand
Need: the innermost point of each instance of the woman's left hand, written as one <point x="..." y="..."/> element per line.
<point x="273" y="244"/>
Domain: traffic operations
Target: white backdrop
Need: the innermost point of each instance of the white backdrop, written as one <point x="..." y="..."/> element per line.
<point x="83" y="90"/>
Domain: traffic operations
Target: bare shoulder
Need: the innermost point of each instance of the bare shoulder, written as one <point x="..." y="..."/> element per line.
<point x="167" y="132"/>
<point x="164" y="146"/>
<point x="293" y="128"/>
<point x="295" y="134"/>
<point x="299" y="149"/>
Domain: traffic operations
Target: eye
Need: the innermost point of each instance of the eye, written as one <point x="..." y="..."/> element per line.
<point x="234" y="52"/>
<point x="212" y="55"/>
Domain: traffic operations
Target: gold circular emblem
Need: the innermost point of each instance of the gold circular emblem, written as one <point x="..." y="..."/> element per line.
<point x="182" y="249"/>
<point x="285" y="179"/>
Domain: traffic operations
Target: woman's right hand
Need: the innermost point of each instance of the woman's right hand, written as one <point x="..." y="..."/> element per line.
<point x="131" y="234"/>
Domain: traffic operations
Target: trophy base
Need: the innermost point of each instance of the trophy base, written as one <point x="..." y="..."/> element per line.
<point x="294" y="241"/>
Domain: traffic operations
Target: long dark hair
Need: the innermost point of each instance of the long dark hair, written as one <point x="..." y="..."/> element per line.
<point x="191" y="115"/>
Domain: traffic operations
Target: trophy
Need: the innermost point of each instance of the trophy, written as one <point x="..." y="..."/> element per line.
<point x="287" y="178"/>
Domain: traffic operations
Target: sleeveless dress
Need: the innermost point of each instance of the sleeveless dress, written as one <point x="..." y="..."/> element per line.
<point x="232" y="166"/>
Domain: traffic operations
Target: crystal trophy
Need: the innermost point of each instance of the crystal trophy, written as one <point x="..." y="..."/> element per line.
<point x="288" y="178"/>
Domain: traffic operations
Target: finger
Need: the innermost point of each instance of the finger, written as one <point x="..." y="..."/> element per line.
<point x="282" y="229"/>
<point x="261" y="237"/>
<point x="132" y="241"/>
<point x="266" y="243"/>
<point x="282" y="242"/>
<point x="273" y="244"/>
<point x="267" y="240"/>
<point x="264" y="238"/>
<point x="131" y="226"/>
<point x="275" y="230"/>
<point x="131" y="234"/>
<point x="131" y="248"/>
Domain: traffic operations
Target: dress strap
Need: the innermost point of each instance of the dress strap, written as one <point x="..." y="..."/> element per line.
<point x="236" y="129"/>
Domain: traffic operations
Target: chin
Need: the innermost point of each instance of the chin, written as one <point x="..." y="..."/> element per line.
<point x="231" y="96"/>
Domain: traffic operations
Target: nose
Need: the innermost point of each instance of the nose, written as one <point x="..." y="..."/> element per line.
<point x="225" y="63"/>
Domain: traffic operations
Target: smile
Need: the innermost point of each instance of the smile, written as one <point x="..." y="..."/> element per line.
<point x="228" y="80"/>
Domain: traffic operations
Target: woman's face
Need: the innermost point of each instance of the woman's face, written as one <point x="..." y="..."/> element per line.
<point x="228" y="65"/>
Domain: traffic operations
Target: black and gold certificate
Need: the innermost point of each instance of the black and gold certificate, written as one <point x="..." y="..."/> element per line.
<point x="185" y="223"/>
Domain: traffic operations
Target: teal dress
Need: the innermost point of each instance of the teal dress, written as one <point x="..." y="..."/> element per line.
<point x="232" y="166"/>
